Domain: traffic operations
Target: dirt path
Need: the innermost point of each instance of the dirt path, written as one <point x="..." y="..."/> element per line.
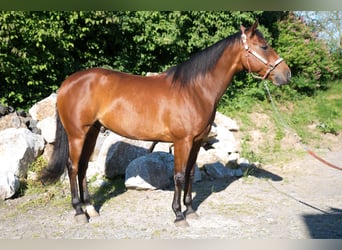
<point x="301" y="200"/>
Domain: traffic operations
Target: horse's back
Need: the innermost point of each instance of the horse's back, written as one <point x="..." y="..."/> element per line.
<point x="133" y="106"/>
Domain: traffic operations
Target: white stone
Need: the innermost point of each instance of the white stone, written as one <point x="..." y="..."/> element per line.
<point x="243" y="162"/>
<point x="227" y="122"/>
<point x="19" y="148"/>
<point x="136" y="182"/>
<point x="117" y="152"/>
<point x="9" y="185"/>
<point x="155" y="170"/>
<point x="208" y="156"/>
<point x="44" y="108"/>
<point x="152" y="171"/>
<point x="48" y="128"/>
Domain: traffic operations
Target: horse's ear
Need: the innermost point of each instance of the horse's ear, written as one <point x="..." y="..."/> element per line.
<point x="242" y="28"/>
<point x="254" y="27"/>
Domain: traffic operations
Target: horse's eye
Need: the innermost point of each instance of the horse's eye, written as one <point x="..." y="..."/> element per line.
<point x="264" y="47"/>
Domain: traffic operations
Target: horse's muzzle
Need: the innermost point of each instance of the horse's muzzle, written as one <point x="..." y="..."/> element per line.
<point x="281" y="79"/>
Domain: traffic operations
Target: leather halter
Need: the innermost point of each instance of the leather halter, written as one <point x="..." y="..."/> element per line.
<point x="271" y="66"/>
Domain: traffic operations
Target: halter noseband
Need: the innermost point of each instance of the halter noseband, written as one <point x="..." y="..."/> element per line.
<point x="271" y="66"/>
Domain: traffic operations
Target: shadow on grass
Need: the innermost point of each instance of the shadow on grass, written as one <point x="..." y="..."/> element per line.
<point x="108" y="190"/>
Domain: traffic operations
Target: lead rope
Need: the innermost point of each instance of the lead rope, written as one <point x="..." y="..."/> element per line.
<point x="288" y="128"/>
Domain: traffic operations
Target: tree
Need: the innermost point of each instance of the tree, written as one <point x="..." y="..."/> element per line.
<point x="309" y="58"/>
<point x="39" y="49"/>
<point x="327" y="26"/>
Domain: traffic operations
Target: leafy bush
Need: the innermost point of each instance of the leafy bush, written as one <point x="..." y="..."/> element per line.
<point x="310" y="61"/>
<point x="39" y="49"/>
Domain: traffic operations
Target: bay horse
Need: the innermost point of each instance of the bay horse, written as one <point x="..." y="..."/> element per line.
<point x="176" y="106"/>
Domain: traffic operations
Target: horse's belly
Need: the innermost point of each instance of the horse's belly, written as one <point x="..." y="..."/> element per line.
<point x="137" y="127"/>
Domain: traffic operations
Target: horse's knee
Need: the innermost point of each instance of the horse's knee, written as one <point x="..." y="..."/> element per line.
<point x="179" y="178"/>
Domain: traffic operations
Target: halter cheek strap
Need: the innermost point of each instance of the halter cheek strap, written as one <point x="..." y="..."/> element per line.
<point x="271" y="66"/>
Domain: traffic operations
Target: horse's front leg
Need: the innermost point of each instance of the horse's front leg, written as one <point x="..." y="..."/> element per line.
<point x="181" y="156"/>
<point x="189" y="177"/>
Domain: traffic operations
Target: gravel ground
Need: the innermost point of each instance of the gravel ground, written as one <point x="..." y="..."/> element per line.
<point x="300" y="200"/>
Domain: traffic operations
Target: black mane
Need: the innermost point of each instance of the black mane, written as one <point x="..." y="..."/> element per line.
<point x="201" y="62"/>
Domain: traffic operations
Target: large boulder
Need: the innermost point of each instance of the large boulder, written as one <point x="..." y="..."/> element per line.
<point x="48" y="128"/>
<point x="222" y="144"/>
<point x="225" y="121"/>
<point x="44" y="113"/>
<point x="9" y="185"/>
<point x="18" y="149"/>
<point x="153" y="171"/>
<point x="117" y="152"/>
<point x="44" y="108"/>
<point x="11" y="120"/>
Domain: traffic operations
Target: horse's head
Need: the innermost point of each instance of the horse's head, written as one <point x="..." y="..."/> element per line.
<point x="259" y="57"/>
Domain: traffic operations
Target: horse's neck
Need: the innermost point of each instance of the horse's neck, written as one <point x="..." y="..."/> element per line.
<point x="218" y="79"/>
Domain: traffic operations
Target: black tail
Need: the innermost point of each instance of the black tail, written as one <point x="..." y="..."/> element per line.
<point x="59" y="157"/>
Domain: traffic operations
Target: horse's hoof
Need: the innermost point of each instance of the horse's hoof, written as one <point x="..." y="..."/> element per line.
<point x="81" y="218"/>
<point x="192" y="216"/>
<point x="91" y="212"/>
<point x="181" y="223"/>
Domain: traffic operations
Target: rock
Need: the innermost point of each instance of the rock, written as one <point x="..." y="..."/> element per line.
<point x="153" y="171"/>
<point x="19" y="148"/>
<point x="225" y="121"/>
<point x="163" y="147"/>
<point x="206" y="157"/>
<point x="117" y="152"/>
<point x="47" y="127"/>
<point x="4" y="110"/>
<point x="94" y="170"/>
<point x="99" y="143"/>
<point x="233" y="160"/>
<point x="48" y="149"/>
<point x="9" y="185"/>
<point x="243" y="162"/>
<point x="11" y="120"/>
<point x="225" y="142"/>
<point x="32" y="125"/>
<point x="44" y="108"/>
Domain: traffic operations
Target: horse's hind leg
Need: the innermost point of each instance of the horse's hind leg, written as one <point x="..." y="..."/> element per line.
<point x="88" y="149"/>
<point x="75" y="147"/>
<point x="81" y="145"/>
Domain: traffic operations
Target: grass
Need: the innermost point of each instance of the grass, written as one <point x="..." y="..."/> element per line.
<point x="308" y="117"/>
<point x="109" y="189"/>
<point x="39" y="194"/>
